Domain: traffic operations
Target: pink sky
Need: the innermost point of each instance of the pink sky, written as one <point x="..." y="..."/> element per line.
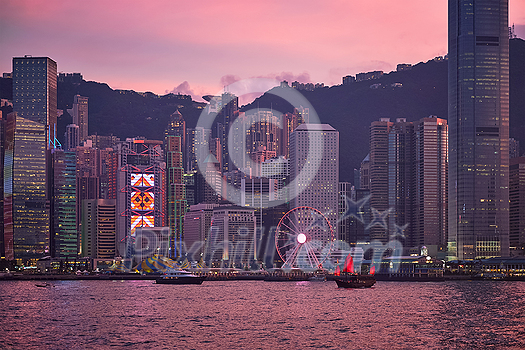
<point x="199" y="46"/>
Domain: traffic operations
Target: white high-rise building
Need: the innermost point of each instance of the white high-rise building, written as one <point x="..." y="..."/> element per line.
<point x="314" y="169"/>
<point x="79" y="112"/>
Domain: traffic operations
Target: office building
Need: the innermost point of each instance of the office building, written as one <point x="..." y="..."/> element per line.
<point x="227" y="115"/>
<point x="263" y="136"/>
<point x="232" y="240"/>
<point x="79" y="112"/>
<point x="2" y="146"/>
<point x="103" y="142"/>
<point x="35" y="92"/>
<point x="177" y="127"/>
<point x="141" y="189"/>
<point x="517" y="205"/>
<point x="278" y="168"/>
<point x="72" y="137"/>
<point x="346" y="191"/>
<point x="197" y="224"/>
<point x="478" y="119"/>
<point x="401" y="177"/>
<point x="430" y="225"/>
<point x="314" y="165"/>
<point x="176" y="193"/>
<point x="64" y="234"/>
<point x="99" y="228"/>
<point x="26" y="213"/>
<point x="378" y="175"/>
<point x="407" y="165"/>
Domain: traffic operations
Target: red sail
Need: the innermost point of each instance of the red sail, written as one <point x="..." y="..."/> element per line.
<point x="349" y="264"/>
<point x="373" y="270"/>
<point x="337" y="271"/>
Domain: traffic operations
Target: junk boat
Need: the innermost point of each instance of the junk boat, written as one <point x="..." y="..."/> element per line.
<point x="355" y="281"/>
<point x="349" y="279"/>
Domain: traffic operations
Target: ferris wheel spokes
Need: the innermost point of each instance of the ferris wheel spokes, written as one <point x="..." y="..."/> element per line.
<point x="297" y="245"/>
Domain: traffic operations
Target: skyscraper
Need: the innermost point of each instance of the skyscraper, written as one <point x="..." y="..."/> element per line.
<point x="229" y="112"/>
<point x="99" y="228"/>
<point x="316" y="187"/>
<point x="176" y="193"/>
<point x="140" y="187"/>
<point x="409" y="162"/>
<point x="64" y="234"/>
<point x="79" y="112"/>
<point x="177" y="127"/>
<point x="517" y="205"/>
<point x="72" y="137"/>
<point x="430" y="227"/>
<point x="378" y="174"/>
<point x="401" y="176"/>
<point x="26" y="216"/>
<point x="478" y="128"/>
<point x="35" y="92"/>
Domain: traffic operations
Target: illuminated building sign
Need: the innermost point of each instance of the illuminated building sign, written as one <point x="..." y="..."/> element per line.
<point x="143" y="180"/>
<point x="142" y="200"/>
<point x="142" y="221"/>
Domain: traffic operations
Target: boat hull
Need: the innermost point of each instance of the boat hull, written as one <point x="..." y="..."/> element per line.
<point x="355" y="281"/>
<point x="181" y="280"/>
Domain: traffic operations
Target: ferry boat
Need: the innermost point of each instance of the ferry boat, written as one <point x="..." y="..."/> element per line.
<point x="180" y="277"/>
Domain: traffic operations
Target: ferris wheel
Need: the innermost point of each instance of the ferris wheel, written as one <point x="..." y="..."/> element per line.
<point x="304" y="238"/>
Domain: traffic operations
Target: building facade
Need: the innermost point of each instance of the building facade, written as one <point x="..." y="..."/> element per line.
<point x="64" y="235"/>
<point x="26" y="212"/>
<point x="314" y="168"/>
<point x="99" y="229"/>
<point x="35" y="92"/>
<point x="517" y="205"/>
<point x="176" y="194"/>
<point x="430" y="225"/>
<point x="79" y="112"/>
<point x="141" y="194"/>
<point x="478" y="118"/>
<point x="233" y="239"/>
<point x="197" y="224"/>
<point x="408" y="166"/>
<point x="378" y="174"/>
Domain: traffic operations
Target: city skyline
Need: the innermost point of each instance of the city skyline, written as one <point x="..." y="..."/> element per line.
<point x="190" y="48"/>
<point x="479" y="141"/>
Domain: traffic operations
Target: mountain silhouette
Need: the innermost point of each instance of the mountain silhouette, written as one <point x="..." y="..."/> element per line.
<point x="411" y="94"/>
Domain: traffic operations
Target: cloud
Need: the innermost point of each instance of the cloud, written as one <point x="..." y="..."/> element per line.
<point x="250" y="88"/>
<point x="185" y="89"/>
<point x="229" y="79"/>
<point x="290" y="77"/>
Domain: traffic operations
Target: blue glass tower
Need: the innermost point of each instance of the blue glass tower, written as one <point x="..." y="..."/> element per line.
<point x="478" y="129"/>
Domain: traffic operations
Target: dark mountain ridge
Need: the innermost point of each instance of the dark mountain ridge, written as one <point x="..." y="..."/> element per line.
<point x="420" y="92"/>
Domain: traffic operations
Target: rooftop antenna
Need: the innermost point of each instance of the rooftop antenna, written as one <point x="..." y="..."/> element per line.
<point x="512" y="32"/>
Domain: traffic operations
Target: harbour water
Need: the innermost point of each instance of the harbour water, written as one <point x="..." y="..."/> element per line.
<point x="262" y="315"/>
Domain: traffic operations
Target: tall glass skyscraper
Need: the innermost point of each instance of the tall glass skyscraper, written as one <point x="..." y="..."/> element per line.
<point x="64" y="236"/>
<point x="26" y="216"/>
<point x="478" y="129"/>
<point x="35" y="92"/>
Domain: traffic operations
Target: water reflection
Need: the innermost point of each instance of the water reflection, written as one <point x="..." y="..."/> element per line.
<point x="262" y="315"/>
